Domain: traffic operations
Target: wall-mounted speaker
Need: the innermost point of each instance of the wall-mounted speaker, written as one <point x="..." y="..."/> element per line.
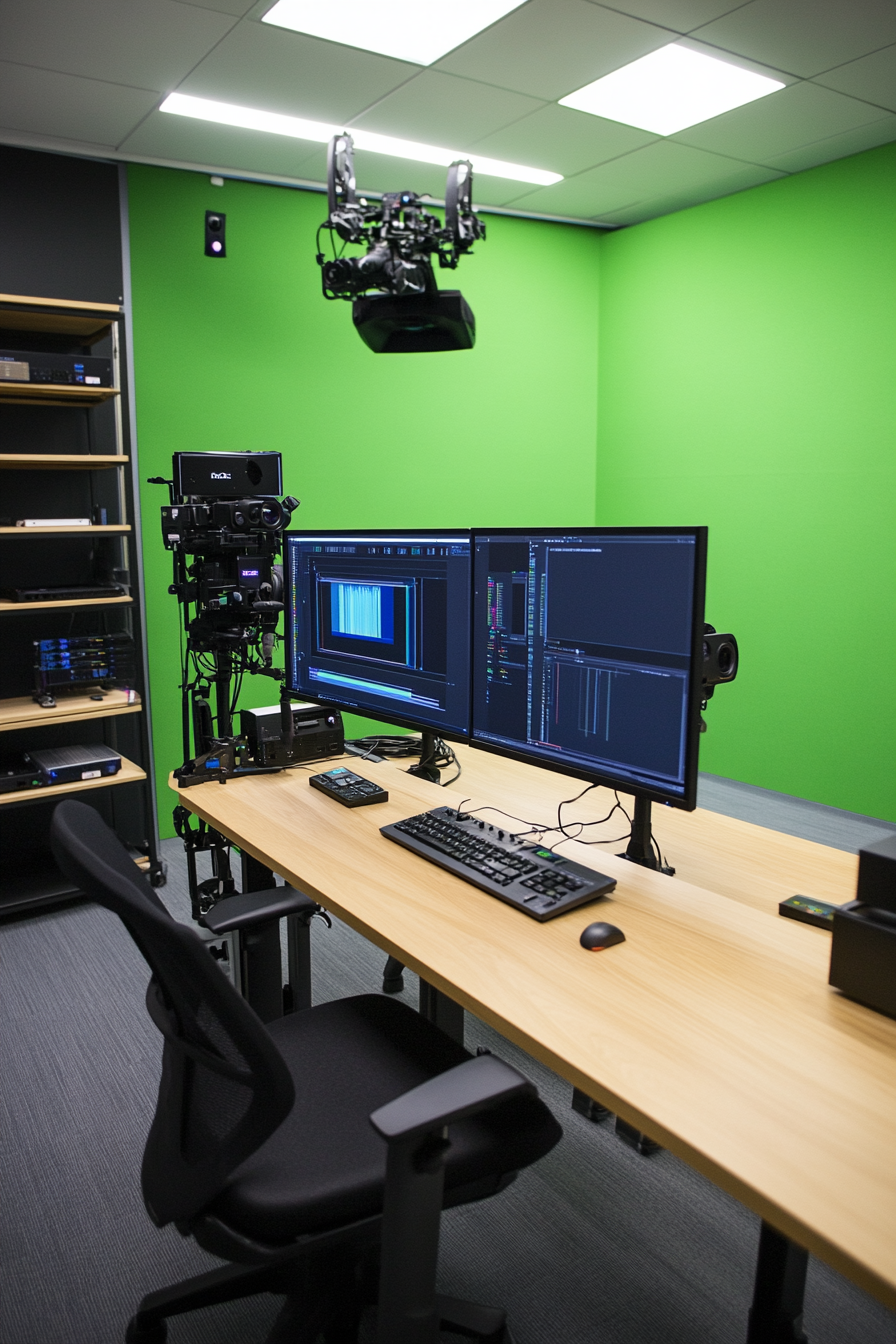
<point x="215" y="240"/>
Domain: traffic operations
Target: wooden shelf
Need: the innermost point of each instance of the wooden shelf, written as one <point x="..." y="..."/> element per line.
<point x="57" y="315"/>
<point x="128" y="774"/>
<point x="49" y="394"/>
<point x="6" y="605"/>
<point x="22" y="712"/>
<point x="61" y="461"/>
<point x="62" y="531"/>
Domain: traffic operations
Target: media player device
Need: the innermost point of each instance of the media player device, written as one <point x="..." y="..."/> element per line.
<point x="65" y="765"/>
<point x="31" y="366"/>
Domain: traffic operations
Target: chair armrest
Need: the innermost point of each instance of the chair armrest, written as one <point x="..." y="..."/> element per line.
<point x="476" y="1085"/>
<point x="257" y="907"/>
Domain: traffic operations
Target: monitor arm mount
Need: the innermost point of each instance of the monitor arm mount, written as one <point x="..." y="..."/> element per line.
<point x="401" y="238"/>
<point x="720" y="659"/>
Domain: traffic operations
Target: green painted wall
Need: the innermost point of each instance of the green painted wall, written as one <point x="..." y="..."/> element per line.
<point x="747" y="360"/>
<point x="244" y="353"/>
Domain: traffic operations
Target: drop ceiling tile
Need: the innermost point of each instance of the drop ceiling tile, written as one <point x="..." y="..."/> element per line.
<point x="183" y="140"/>
<point x="656" y="171"/>
<point x="804" y="36"/>
<point x="235" y="7"/>
<point x="871" y="77"/>
<point x="761" y="131"/>
<point x="667" y="204"/>
<point x="150" y="45"/>
<point x="279" y="71"/>
<point x="838" y="146"/>
<point x="47" y="103"/>
<point x="442" y="109"/>
<point x="548" y="48"/>
<point x="679" y="15"/>
<point x="562" y="140"/>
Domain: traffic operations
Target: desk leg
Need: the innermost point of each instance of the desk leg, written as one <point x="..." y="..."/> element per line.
<point x="776" y="1316"/>
<point x="444" y="1012"/>
<point x="262" y="974"/>
<point x="298" y="946"/>
<point x="587" y="1106"/>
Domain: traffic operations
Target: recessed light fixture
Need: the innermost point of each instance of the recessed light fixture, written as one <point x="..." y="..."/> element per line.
<point x="671" y="89"/>
<point x="406" y="29"/>
<point x="277" y="123"/>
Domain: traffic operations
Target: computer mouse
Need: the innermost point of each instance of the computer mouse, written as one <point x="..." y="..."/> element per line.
<point x="598" y="936"/>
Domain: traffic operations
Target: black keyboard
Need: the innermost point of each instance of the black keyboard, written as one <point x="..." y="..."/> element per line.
<point x="533" y="879"/>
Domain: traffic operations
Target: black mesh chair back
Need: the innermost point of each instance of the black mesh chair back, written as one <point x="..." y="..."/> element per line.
<point x="225" y="1087"/>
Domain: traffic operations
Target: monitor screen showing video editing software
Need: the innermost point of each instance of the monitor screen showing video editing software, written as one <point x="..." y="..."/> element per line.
<point x="587" y="653"/>
<point x="379" y="623"/>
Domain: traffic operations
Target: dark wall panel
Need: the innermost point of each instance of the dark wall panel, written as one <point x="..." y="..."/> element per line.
<point x="59" y="227"/>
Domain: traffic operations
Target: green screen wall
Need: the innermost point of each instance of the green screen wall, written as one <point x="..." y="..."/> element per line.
<point x="747" y="361"/>
<point x="744" y="379"/>
<point x="245" y="353"/>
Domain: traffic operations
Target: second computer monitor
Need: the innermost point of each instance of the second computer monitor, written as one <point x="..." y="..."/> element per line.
<point x="587" y="653"/>
<point x="379" y="623"/>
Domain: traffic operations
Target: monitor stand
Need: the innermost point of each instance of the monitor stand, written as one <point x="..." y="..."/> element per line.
<point x="426" y="767"/>
<point x="640" y="846"/>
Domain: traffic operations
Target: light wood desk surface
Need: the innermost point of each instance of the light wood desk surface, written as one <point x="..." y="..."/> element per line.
<point x="712" y="1028"/>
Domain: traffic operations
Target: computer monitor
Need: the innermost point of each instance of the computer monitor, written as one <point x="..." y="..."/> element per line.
<point x="379" y="623"/>
<point x="588" y="652"/>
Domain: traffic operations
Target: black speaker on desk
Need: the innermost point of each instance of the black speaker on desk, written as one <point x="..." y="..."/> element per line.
<point x="863" y="950"/>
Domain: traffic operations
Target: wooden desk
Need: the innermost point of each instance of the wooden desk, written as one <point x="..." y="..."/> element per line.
<point x="712" y="1029"/>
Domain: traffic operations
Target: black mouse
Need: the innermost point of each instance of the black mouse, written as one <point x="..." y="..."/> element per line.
<point x="598" y="936"/>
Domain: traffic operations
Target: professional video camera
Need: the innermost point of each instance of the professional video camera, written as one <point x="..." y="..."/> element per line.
<point x="396" y="304"/>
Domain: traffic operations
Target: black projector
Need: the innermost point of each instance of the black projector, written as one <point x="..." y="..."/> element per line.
<point x="398" y="324"/>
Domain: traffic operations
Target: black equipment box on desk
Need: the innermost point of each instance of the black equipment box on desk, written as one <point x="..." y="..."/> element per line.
<point x="30" y="366"/>
<point x="863" y="949"/>
<point x="317" y="732"/>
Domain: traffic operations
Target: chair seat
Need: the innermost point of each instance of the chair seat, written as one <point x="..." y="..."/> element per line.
<point x="325" y="1165"/>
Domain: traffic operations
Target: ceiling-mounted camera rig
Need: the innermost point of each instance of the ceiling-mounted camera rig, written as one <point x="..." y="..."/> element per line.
<point x="396" y="304"/>
<point x="224" y="525"/>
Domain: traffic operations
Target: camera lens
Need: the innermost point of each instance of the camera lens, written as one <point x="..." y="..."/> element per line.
<point x="214" y="223"/>
<point x="272" y="515"/>
<point x="726" y="659"/>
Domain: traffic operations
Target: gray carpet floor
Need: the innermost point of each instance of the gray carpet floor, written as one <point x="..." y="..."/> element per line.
<point x="594" y="1245"/>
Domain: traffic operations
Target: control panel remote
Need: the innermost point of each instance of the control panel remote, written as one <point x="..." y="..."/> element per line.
<point x="348" y="788"/>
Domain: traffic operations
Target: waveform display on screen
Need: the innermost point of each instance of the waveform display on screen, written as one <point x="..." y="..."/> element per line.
<point x="358" y="609"/>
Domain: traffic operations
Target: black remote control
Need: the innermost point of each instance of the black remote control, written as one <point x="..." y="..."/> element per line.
<point x="348" y="788"/>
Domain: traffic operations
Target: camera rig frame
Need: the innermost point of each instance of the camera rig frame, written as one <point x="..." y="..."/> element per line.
<point x="400" y="235"/>
<point x="229" y="588"/>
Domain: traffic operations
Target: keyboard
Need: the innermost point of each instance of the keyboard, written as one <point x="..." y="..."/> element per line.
<point x="533" y="879"/>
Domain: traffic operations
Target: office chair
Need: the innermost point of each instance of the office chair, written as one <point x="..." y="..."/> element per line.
<point x="314" y="1153"/>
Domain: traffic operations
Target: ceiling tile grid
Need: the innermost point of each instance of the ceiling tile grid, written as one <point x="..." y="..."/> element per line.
<point x="93" y="72"/>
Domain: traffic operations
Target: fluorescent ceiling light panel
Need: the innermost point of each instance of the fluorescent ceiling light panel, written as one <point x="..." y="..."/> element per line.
<point x="410" y="30"/>
<point x="671" y="89"/>
<point x="252" y="119"/>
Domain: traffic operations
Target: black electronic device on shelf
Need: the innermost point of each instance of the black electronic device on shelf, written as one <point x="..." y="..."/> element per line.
<point x="31" y="366"/>
<point x="528" y="876"/>
<point x="64" y="592"/>
<point x="378" y="623"/>
<point x="75" y="661"/>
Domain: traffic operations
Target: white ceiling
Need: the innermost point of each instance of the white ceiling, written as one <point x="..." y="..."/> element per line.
<point x="88" y="75"/>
